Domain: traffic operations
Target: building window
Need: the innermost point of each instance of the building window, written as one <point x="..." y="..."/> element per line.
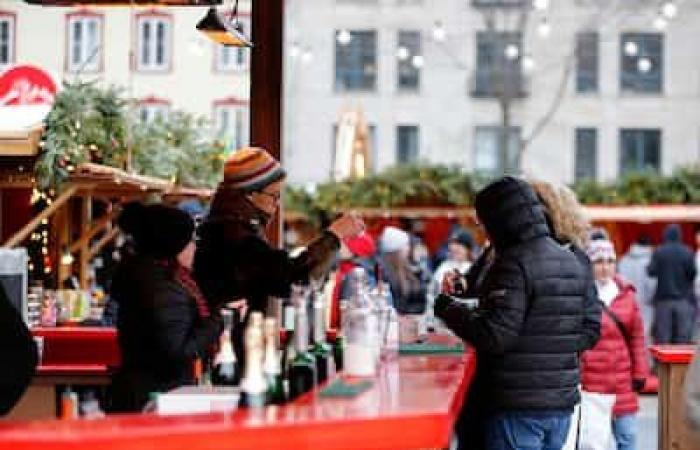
<point x="587" y="62"/>
<point x="84" y="42"/>
<point x="407" y="144"/>
<point x="410" y="60"/>
<point x="586" y="154"/>
<point x="153" y="110"/>
<point x="640" y="150"/>
<point x="7" y="40"/>
<point x="498" y="65"/>
<point x="232" y="59"/>
<point x="231" y="121"/>
<point x="488" y="158"/>
<point x="356" y="61"/>
<point x="154" y="43"/>
<point x="642" y="62"/>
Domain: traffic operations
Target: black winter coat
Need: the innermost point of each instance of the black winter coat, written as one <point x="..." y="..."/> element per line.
<point x="18" y="353"/>
<point x="234" y="261"/>
<point x="531" y="323"/>
<point x="160" y="332"/>
<point x="673" y="264"/>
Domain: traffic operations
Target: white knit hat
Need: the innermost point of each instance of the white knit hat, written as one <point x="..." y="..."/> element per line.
<point x="600" y="249"/>
<point x="394" y="239"/>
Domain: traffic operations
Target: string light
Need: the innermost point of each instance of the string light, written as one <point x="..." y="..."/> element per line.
<point x="307" y="56"/>
<point x="540" y="5"/>
<point x="402" y="53"/>
<point x="631" y="48"/>
<point x="294" y="50"/>
<point x="528" y="63"/>
<point x="544" y="29"/>
<point x="669" y="10"/>
<point x="344" y="37"/>
<point x="644" y="65"/>
<point x="512" y="51"/>
<point x="439" y="32"/>
<point x="660" y="23"/>
<point x="418" y="61"/>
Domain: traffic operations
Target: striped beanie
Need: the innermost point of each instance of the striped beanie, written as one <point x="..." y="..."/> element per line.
<point x="600" y="249"/>
<point x="251" y="169"/>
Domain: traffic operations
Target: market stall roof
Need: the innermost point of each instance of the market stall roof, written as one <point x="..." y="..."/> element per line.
<point x="108" y="181"/>
<point x="21" y="128"/>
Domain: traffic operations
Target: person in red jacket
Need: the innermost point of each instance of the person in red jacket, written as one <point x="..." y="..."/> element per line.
<point x="618" y="363"/>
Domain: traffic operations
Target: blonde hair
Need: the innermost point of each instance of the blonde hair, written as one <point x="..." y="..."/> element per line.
<point x="566" y="215"/>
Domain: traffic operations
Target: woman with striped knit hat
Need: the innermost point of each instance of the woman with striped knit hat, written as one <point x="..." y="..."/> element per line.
<point x="234" y="260"/>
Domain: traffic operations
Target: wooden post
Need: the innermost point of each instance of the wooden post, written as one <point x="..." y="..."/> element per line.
<point x="266" y="85"/>
<point x="85" y="219"/>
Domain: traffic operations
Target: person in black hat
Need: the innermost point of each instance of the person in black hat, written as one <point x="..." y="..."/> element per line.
<point x="164" y="323"/>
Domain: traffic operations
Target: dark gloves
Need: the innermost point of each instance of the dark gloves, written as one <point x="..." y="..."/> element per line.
<point x="638" y="384"/>
<point x="442" y="302"/>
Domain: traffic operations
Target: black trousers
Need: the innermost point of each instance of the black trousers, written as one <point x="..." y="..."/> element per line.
<point x="674" y="321"/>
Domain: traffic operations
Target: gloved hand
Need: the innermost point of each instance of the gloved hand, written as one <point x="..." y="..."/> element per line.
<point x="638" y="384"/>
<point x="442" y="302"/>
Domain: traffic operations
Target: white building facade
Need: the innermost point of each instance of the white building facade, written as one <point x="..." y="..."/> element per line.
<point x="418" y="70"/>
<point x="155" y="54"/>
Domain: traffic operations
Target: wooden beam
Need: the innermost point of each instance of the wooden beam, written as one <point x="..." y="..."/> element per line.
<point x="22" y="234"/>
<point x="266" y="84"/>
<point x="98" y="227"/>
<point x="106" y="239"/>
<point x="85" y="219"/>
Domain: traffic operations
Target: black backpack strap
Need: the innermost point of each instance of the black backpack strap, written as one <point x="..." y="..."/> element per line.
<point x="620" y="326"/>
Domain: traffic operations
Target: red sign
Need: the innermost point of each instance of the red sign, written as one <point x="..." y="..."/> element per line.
<point x="26" y="85"/>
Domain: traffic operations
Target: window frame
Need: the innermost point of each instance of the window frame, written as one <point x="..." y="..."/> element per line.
<point x="627" y="83"/>
<point x="235" y="104"/>
<point x="587" y="75"/>
<point x="408" y="64"/>
<point x="151" y="104"/>
<point x="483" y="86"/>
<point x="412" y="158"/>
<point x="11" y="18"/>
<point x="578" y="137"/>
<point x="98" y="65"/>
<point x="622" y="169"/>
<point x="341" y="86"/>
<point x="154" y="17"/>
<point x="503" y="166"/>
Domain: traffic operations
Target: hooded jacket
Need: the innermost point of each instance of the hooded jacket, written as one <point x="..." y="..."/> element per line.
<point x="673" y="265"/>
<point x="529" y="327"/>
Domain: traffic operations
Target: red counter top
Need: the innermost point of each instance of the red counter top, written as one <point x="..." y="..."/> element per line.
<point x="673" y="354"/>
<point x="412" y="404"/>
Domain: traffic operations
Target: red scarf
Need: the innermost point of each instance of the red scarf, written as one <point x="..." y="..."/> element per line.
<point x="184" y="276"/>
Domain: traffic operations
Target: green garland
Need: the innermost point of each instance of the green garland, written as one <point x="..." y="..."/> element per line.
<point x="416" y="186"/>
<point x="90" y="124"/>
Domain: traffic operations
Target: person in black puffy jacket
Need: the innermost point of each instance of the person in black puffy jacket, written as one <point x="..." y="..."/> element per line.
<point x="529" y="327"/>
<point x="164" y="323"/>
<point x="18" y="352"/>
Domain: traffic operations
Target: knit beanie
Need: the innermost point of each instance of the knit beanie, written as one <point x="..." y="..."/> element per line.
<point x="251" y="169"/>
<point x="600" y="249"/>
<point x="394" y="239"/>
<point x="157" y="230"/>
<point x="464" y="238"/>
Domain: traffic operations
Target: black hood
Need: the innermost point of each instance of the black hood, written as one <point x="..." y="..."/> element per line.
<point x="672" y="233"/>
<point x="511" y="212"/>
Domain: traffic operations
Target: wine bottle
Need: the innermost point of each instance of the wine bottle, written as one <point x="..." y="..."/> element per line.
<point x="302" y="369"/>
<point x="226" y="370"/>
<point x="254" y="385"/>
<point x="271" y="364"/>
<point x="320" y="349"/>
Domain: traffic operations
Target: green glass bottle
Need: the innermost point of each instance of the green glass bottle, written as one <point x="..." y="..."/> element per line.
<point x="271" y="364"/>
<point x="302" y="369"/>
<point x="320" y="349"/>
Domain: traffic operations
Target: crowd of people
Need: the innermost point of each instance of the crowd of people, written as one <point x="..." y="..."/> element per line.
<point x="551" y="312"/>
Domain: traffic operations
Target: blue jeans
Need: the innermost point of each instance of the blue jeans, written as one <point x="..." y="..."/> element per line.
<point x="625" y="431"/>
<point x="527" y="430"/>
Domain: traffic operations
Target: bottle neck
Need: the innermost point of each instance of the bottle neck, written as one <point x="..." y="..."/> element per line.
<point x="319" y="323"/>
<point x="301" y="330"/>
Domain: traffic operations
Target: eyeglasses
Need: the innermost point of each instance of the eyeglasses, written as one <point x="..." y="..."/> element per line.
<point x="605" y="261"/>
<point x="276" y="196"/>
